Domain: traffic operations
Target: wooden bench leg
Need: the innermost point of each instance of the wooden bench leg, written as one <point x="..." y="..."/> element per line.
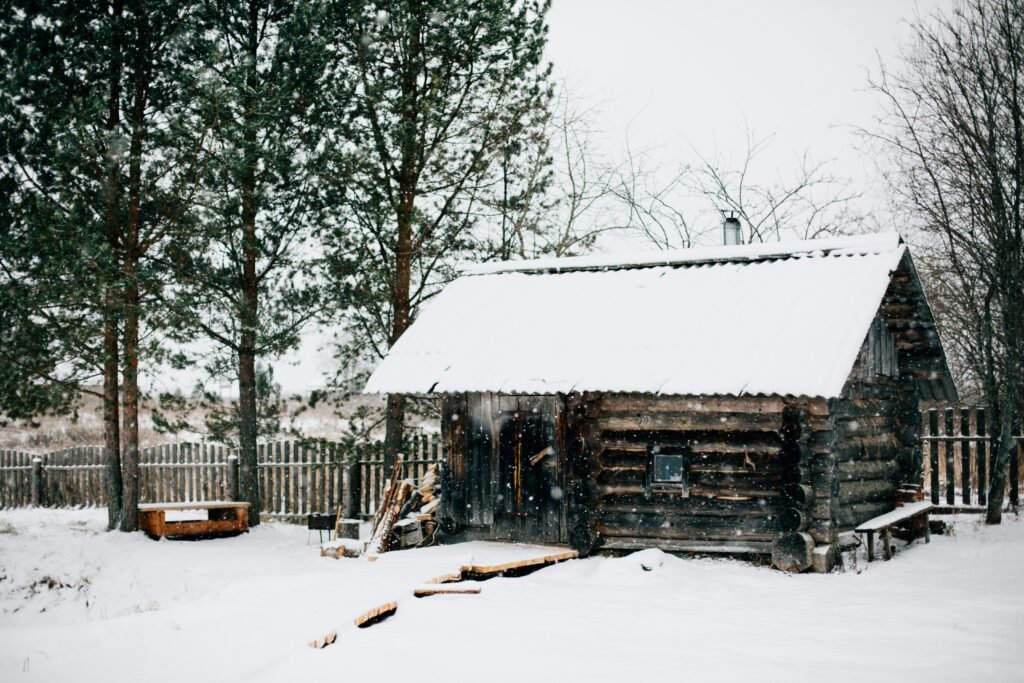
<point x="886" y="544"/>
<point x="871" y="546"/>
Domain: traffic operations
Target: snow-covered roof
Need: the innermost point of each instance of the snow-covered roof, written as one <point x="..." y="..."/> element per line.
<point x="783" y="319"/>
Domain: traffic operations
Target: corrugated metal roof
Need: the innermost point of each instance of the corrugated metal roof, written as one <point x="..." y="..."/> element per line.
<point x="777" y="319"/>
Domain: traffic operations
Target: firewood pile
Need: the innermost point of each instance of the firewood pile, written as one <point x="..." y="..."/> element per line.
<point x="405" y="517"/>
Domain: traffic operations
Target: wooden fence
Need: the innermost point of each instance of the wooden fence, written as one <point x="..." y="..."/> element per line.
<point x="295" y="478"/>
<point x="957" y="448"/>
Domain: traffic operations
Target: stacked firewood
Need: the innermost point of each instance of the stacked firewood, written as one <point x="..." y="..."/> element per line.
<point x="405" y="517"/>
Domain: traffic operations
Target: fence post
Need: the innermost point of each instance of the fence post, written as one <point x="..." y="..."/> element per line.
<point x="233" y="476"/>
<point x="37" y="482"/>
<point x="351" y="486"/>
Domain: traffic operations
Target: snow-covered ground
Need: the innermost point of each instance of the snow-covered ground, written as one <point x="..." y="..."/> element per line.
<point x="80" y="604"/>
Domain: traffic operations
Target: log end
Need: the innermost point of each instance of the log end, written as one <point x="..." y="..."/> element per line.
<point x="793" y="552"/>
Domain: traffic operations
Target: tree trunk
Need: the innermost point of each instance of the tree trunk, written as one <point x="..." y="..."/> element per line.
<point x="111" y="421"/>
<point x="1000" y="466"/>
<point x="248" y="474"/>
<point x="130" y="374"/>
<point x="394" y="433"/>
<point x="394" y="426"/>
<point x="132" y="297"/>
<point x="248" y="482"/>
<point x="111" y="416"/>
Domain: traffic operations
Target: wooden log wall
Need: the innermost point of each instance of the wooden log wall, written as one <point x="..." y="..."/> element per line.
<point x="866" y="420"/>
<point x="740" y="461"/>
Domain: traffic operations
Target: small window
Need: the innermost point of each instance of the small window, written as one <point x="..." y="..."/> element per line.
<point x="666" y="467"/>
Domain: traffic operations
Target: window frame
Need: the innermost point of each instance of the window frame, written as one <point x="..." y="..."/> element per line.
<point x="655" y="486"/>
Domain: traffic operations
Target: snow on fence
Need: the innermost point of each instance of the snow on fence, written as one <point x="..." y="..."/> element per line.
<point x="296" y="478"/>
<point x="957" y="448"/>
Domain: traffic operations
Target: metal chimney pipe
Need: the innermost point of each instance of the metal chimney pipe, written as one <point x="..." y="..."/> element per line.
<point x="732" y="231"/>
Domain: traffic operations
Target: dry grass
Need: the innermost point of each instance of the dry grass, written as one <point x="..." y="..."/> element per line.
<point x="54" y="433"/>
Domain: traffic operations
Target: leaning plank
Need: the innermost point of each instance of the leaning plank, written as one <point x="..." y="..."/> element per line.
<point x="376" y="615"/>
<point x="321" y="643"/>
<point x="492" y="569"/>
<point x="447" y="578"/>
<point x="445" y="589"/>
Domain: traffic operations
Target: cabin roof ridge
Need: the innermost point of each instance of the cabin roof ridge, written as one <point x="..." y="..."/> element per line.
<point x="695" y="256"/>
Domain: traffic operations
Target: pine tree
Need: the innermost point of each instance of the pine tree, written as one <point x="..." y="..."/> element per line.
<point x="102" y="166"/>
<point x="436" y="93"/>
<point x="246" y="276"/>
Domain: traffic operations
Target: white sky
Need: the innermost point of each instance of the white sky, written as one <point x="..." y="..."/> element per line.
<point x="675" y="74"/>
<point x="671" y="74"/>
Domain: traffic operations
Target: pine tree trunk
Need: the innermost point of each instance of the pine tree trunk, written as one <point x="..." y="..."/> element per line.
<point x="394" y="426"/>
<point x="248" y="474"/>
<point x="130" y="375"/>
<point x="132" y="298"/>
<point x="111" y="416"/>
<point x="112" y="422"/>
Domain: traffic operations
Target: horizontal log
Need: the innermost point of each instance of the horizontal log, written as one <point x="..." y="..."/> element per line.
<point x="681" y="521"/>
<point x="612" y="458"/>
<point x="851" y="515"/>
<point x="688" y="422"/>
<point x="871" y="447"/>
<point x="750" y="460"/>
<point x="693" y="505"/>
<point x="622" y="475"/>
<point x="714" y="492"/>
<point x="883" y="389"/>
<point x="867" y="469"/>
<point x="743" y="547"/>
<point x="721" y="441"/>
<point x="708" y="404"/>
<point x="865" y="407"/>
<point x="864" y="426"/>
<point x="866" y="491"/>
<point x="711" y="538"/>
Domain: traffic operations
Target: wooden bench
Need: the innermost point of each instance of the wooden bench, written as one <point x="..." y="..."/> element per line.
<point x="914" y="516"/>
<point x="223" y="517"/>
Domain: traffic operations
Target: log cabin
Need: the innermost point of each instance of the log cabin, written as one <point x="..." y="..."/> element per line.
<point x="747" y="400"/>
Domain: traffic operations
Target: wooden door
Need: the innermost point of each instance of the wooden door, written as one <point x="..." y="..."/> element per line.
<point x="529" y="494"/>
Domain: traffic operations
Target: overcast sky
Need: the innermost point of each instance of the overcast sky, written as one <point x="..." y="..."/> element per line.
<point x="683" y="75"/>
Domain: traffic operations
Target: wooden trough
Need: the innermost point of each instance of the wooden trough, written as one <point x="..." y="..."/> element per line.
<point x="223" y="517"/>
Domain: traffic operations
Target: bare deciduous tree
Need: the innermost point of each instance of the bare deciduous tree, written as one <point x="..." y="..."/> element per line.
<point x="955" y="120"/>
<point x="810" y="202"/>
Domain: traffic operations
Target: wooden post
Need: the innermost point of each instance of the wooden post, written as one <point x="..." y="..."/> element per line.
<point x="982" y="460"/>
<point x="933" y="453"/>
<point x="37" y="482"/>
<point x="965" y="456"/>
<point x="351" y="487"/>
<point x="950" y="460"/>
<point x="233" y="476"/>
